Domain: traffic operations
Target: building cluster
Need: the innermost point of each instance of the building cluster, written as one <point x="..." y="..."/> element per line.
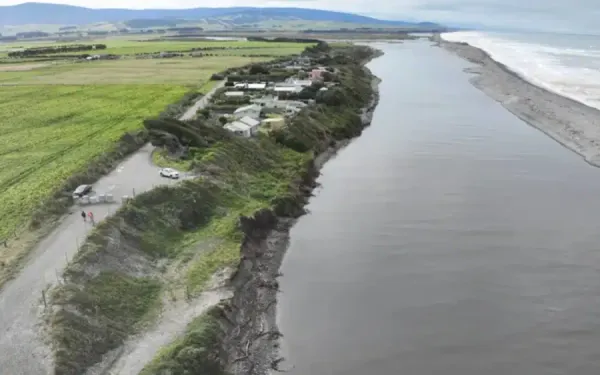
<point x="269" y="104"/>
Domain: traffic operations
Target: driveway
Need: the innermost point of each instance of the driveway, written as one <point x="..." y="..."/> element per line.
<point x="22" y="351"/>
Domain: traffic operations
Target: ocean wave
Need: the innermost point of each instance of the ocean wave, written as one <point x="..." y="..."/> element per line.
<point x="566" y="71"/>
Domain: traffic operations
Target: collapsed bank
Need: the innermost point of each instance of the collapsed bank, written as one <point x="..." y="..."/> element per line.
<point x="165" y="246"/>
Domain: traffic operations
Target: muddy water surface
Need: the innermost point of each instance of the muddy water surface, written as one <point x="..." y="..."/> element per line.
<point x="450" y="238"/>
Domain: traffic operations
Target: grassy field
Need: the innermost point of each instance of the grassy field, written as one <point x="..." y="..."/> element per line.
<point x="175" y="71"/>
<point x="60" y="116"/>
<point x="51" y="132"/>
<point x="131" y="47"/>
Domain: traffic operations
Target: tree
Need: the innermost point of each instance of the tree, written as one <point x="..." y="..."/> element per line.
<point x="258" y="69"/>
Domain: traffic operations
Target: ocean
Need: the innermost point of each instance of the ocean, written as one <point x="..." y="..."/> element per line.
<point x="566" y="64"/>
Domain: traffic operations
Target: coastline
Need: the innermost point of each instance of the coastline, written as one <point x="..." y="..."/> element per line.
<point x="253" y="349"/>
<point x="572" y="124"/>
<point x="128" y="253"/>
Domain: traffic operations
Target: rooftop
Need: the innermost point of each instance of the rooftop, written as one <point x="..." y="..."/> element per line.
<point x="237" y="126"/>
<point x="247" y="107"/>
<point x="249" y="121"/>
<point x="234" y="93"/>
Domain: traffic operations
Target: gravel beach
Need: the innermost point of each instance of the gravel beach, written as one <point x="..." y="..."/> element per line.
<point x="573" y="124"/>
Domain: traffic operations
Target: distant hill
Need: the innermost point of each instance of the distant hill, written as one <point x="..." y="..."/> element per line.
<point x="55" y="14"/>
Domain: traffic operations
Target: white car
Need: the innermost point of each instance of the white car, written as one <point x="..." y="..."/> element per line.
<point x="169" y="173"/>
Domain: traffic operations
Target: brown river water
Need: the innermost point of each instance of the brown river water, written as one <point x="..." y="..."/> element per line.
<point x="450" y="238"/>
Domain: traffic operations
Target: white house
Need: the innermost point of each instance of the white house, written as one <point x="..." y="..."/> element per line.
<point x="234" y="93"/>
<point x="289" y="89"/>
<point x="252" y="111"/>
<point x="300" y="82"/>
<point x="245" y="127"/>
<point x="257" y="86"/>
<point x="239" y="128"/>
<point x="251" y="86"/>
<point x="252" y="123"/>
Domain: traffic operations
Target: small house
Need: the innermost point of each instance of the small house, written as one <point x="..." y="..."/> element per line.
<point x="252" y="123"/>
<point x="245" y="127"/>
<point x="316" y="74"/>
<point x="239" y="128"/>
<point x="257" y="86"/>
<point x="301" y="82"/>
<point x="287" y="89"/>
<point x="235" y="94"/>
<point x="252" y="111"/>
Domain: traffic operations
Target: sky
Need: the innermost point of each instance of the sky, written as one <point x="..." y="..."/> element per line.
<point x="566" y="15"/>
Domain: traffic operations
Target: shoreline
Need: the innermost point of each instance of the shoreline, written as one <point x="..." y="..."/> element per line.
<point x="254" y="237"/>
<point x="572" y="124"/>
<point x="255" y="350"/>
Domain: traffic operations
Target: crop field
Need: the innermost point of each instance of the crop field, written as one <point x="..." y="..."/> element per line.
<point x="131" y="47"/>
<point x="50" y="132"/>
<point x="177" y="71"/>
<point x="60" y="115"/>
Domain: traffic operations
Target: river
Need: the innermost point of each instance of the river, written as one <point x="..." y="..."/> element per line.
<point x="450" y="238"/>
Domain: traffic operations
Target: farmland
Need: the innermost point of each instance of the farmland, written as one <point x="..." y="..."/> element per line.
<point x="132" y="47"/>
<point x="60" y="115"/>
<point x="55" y="131"/>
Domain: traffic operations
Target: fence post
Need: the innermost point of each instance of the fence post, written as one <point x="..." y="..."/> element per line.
<point x="44" y="298"/>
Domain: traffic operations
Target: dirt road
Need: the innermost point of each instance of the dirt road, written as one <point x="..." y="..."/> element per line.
<point x="201" y="103"/>
<point x="22" y="350"/>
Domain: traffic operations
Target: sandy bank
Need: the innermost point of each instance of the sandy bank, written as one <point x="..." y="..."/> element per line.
<point x="573" y="124"/>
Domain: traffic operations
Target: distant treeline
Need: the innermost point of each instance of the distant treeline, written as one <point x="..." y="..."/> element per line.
<point x="184" y="30"/>
<point x="362" y="30"/>
<point x="281" y="40"/>
<point x="32" y="34"/>
<point x="56" y="49"/>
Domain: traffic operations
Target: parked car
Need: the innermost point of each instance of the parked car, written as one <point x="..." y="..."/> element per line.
<point x="81" y="191"/>
<point x="169" y="173"/>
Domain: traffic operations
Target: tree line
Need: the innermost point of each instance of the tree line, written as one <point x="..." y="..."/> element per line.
<point x="56" y="49"/>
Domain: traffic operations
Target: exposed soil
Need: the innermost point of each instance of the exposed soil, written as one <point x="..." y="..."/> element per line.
<point x="252" y="337"/>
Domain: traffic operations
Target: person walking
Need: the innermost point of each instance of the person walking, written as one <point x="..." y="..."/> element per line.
<point x="91" y="215"/>
<point x="83" y="215"/>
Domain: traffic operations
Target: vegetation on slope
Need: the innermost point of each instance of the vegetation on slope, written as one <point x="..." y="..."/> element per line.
<point x="161" y="228"/>
<point x="69" y="124"/>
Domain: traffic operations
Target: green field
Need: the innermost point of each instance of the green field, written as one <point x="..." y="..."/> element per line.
<point x="131" y="47"/>
<point x="59" y="116"/>
<point x="175" y="71"/>
<point x="51" y="132"/>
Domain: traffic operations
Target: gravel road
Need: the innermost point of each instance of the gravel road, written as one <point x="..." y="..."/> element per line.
<point x="22" y="350"/>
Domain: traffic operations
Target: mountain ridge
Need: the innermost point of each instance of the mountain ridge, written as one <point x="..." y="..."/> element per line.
<point x="59" y="14"/>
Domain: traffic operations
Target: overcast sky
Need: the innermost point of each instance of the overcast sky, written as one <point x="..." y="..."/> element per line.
<point x="563" y="14"/>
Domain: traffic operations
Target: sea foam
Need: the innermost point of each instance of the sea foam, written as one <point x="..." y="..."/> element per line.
<point x="568" y="71"/>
